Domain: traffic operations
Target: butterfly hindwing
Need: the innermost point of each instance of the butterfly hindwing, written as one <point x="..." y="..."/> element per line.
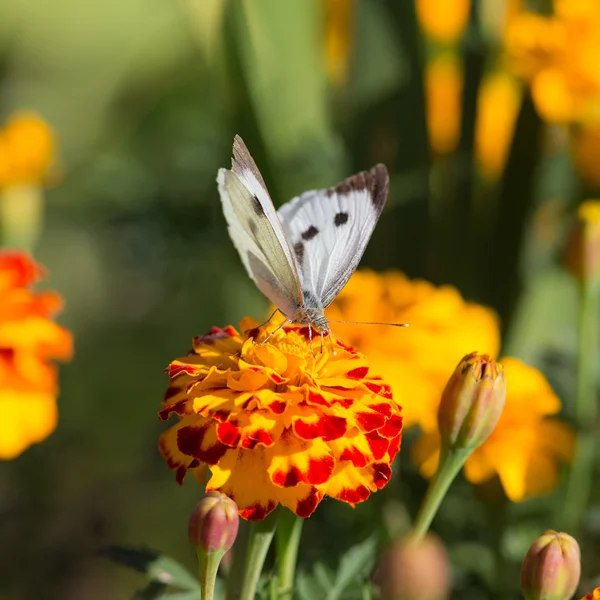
<point x="329" y="230"/>
<point x="257" y="233"/>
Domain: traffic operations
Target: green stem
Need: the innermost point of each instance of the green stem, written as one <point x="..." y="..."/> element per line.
<point x="451" y="463"/>
<point x="586" y="413"/>
<point x="288" y="540"/>
<point x="209" y="565"/>
<point x="261" y="535"/>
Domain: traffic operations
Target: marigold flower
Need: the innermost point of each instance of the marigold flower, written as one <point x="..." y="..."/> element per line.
<point x="498" y="102"/>
<point x="526" y="445"/>
<point x="551" y="567"/>
<point x="595" y="595"/>
<point x="27" y="147"/>
<point x="443" y="21"/>
<point x="29" y="339"/>
<point x="278" y="424"/>
<point x="443" y="93"/>
<point x="416" y="361"/>
<point x="338" y="39"/>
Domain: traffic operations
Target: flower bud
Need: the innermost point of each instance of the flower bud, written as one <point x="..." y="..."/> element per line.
<point x="551" y="567"/>
<point x="472" y="402"/>
<point x="582" y="250"/>
<point x="414" y="570"/>
<point x="214" y="523"/>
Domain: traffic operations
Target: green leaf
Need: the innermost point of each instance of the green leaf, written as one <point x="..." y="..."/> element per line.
<point x="153" y="591"/>
<point x="157" y="567"/>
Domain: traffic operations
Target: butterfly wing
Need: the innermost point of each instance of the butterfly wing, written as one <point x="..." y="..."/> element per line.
<point x="329" y="230"/>
<point x="256" y="231"/>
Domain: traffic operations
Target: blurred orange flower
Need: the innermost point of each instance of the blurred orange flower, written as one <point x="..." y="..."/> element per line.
<point x="278" y="424"/>
<point x="595" y="595"/>
<point x="29" y="339"/>
<point x="443" y="95"/>
<point x="339" y="21"/>
<point x="526" y="446"/>
<point x="443" y="21"/>
<point x="27" y="148"/>
<point x="417" y="361"/>
<point x="498" y="102"/>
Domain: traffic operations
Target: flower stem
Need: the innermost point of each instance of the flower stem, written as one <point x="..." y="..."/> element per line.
<point x="586" y="411"/>
<point x="261" y="535"/>
<point x="209" y="565"/>
<point x="451" y="463"/>
<point x="288" y="540"/>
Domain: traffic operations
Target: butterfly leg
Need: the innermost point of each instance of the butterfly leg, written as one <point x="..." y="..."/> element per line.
<point x="331" y="338"/>
<point x="269" y="319"/>
<point x="275" y="331"/>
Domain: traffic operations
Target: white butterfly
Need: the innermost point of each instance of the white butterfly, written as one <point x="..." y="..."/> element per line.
<point x="302" y="255"/>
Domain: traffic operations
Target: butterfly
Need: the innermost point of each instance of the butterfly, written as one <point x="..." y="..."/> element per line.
<point x="302" y="255"/>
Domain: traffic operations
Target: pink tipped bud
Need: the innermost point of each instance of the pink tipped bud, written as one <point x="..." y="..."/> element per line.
<point x="414" y="570"/>
<point x="472" y="402"/>
<point x="214" y="523"/>
<point x="551" y="567"/>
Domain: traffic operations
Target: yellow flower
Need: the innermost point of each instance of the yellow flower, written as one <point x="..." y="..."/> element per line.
<point x="443" y="21"/>
<point x="595" y="595"/>
<point x="443" y="94"/>
<point x="418" y="360"/>
<point x="498" y="103"/>
<point x="28" y="342"/>
<point x="525" y="447"/>
<point x="338" y="39"/>
<point x="278" y="424"/>
<point x="27" y="148"/>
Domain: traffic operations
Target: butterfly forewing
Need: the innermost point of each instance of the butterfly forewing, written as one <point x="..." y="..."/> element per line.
<point x="329" y="230"/>
<point x="257" y="233"/>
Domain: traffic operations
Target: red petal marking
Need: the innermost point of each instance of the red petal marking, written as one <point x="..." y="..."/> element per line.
<point x="354" y="496"/>
<point x="394" y="447"/>
<point x="172" y="390"/>
<point x="382" y="473"/>
<point x="307" y="506"/>
<point x="315" y="398"/>
<point x="174" y="370"/>
<point x="327" y="427"/>
<point x="221" y="415"/>
<point x="278" y="406"/>
<point x="276" y="378"/>
<point x="259" y="436"/>
<point x="374" y="387"/>
<point x="384" y="408"/>
<point x="345" y="402"/>
<point x="228" y="434"/>
<point x="392" y="428"/>
<point x="256" y="512"/>
<point x="230" y="331"/>
<point x="288" y="478"/>
<point x="189" y="441"/>
<point x="215" y="334"/>
<point x="369" y="421"/>
<point x="358" y="373"/>
<point x="167" y="411"/>
<point x="346" y="347"/>
<point x="180" y="474"/>
<point x="319" y="471"/>
<point x="250" y="403"/>
<point x="378" y="445"/>
<point x="354" y="455"/>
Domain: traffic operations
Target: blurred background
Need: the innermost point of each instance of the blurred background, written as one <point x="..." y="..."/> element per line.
<point x="489" y="155"/>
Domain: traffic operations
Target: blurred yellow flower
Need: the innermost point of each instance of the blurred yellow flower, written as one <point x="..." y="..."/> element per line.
<point x="416" y="361"/>
<point x="27" y="147"/>
<point x="498" y="102"/>
<point x="339" y="21"/>
<point x="29" y="339"/>
<point x="595" y="595"/>
<point x="444" y="79"/>
<point x="558" y="55"/>
<point x="443" y="21"/>
<point x="526" y="446"/>
<point x="585" y="142"/>
<point x="277" y="423"/>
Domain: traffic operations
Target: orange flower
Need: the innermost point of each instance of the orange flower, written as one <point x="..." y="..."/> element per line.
<point x="443" y="20"/>
<point x="28" y="342"/>
<point x="339" y="23"/>
<point x="278" y="424"/>
<point x="416" y="361"/>
<point x="27" y="147"/>
<point x="595" y="595"/>
<point x="525" y="447"/>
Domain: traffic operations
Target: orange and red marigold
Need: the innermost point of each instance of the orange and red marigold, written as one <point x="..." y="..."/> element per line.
<point x="278" y="424"/>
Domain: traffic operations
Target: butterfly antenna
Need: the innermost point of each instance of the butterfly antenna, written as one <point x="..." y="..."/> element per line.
<point x="370" y="323"/>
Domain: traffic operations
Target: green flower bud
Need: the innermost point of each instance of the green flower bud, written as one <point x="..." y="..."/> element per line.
<point x="551" y="568"/>
<point x="472" y="402"/>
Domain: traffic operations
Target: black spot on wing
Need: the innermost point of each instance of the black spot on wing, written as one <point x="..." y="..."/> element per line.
<point x="341" y="218"/>
<point x="299" y="252"/>
<point x="310" y="233"/>
<point x="258" y="208"/>
<point x="375" y="181"/>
